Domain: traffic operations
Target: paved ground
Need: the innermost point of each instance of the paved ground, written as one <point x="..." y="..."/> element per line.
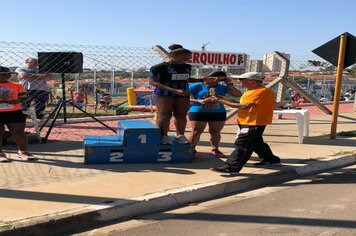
<point x="59" y="189"/>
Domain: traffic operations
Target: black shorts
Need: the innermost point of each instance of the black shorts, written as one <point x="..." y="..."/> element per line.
<point x="12" y="117"/>
<point x="207" y="116"/>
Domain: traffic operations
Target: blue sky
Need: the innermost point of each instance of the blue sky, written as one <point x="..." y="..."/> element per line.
<point x="250" y="26"/>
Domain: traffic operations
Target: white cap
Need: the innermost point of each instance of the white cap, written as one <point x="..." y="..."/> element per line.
<point x="250" y="75"/>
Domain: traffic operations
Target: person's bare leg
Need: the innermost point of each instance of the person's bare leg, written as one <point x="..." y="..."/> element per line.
<point x="3" y="157"/>
<point x="2" y="129"/>
<point x="181" y="107"/>
<point x="197" y="129"/>
<point x="17" y="131"/>
<point x="215" y="128"/>
<point x="164" y="113"/>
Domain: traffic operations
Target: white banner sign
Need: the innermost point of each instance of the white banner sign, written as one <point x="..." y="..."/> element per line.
<point x="217" y="58"/>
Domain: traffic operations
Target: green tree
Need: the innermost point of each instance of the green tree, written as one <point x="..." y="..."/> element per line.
<point x="301" y="79"/>
<point x="141" y="72"/>
<point x="323" y="66"/>
<point x="351" y="71"/>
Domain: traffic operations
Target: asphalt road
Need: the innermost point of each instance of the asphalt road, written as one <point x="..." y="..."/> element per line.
<point x="323" y="205"/>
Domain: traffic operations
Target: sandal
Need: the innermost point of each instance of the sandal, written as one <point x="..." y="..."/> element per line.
<point x="4" y="158"/>
<point x="217" y="153"/>
<point x="26" y="156"/>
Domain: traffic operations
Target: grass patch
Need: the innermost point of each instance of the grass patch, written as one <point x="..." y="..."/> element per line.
<point x="347" y="133"/>
<point x="315" y="159"/>
<point x="5" y="226"/>
<point x="75" y="113"/>
<point x="343" y="153"/>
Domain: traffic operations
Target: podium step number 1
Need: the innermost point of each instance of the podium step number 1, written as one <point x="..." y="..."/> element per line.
<point x="137" y="141"/>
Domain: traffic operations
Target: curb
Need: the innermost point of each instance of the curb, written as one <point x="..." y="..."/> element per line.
<point x="326" y="164"/>
<point x="124" y="209"/>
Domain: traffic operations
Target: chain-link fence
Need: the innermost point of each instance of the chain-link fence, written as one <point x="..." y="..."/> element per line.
<point x="112" y="84"/>
<point x="314" y="82"/>
<point x="98" y="90"/>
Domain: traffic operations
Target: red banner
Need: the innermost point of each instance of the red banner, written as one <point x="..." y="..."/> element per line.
<point x="217" y="58"/>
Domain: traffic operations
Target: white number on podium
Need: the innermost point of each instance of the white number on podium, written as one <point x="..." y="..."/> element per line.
<point x="143" y="138"/>
<point x="116" y="157"/>
<point x="165" y="156"/>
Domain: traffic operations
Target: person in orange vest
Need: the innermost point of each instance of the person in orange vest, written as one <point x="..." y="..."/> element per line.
<point x="11" y="96"/>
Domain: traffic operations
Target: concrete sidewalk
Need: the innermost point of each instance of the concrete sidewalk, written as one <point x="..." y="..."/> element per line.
<point x="60" y="193"/>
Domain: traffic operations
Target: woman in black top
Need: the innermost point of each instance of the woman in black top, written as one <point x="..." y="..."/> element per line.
<point x="171" y="94"/>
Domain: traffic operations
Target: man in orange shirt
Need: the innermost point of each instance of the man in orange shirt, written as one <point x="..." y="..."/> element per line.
<point x="255" y="112"/>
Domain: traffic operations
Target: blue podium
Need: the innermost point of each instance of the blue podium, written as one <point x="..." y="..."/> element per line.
<point x="137" y="141"/>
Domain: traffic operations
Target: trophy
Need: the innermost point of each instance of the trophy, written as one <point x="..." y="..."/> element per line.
<point x="212" y="92"/>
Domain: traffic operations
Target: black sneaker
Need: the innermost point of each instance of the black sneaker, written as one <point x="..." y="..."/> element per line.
<point x="266" y="163"/>
<point x="224" y="169"/>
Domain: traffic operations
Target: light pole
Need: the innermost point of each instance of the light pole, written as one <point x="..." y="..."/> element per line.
<point x="204" y="45"/>
<point x="112" y="81"/>
<point x="132" y="78"/>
